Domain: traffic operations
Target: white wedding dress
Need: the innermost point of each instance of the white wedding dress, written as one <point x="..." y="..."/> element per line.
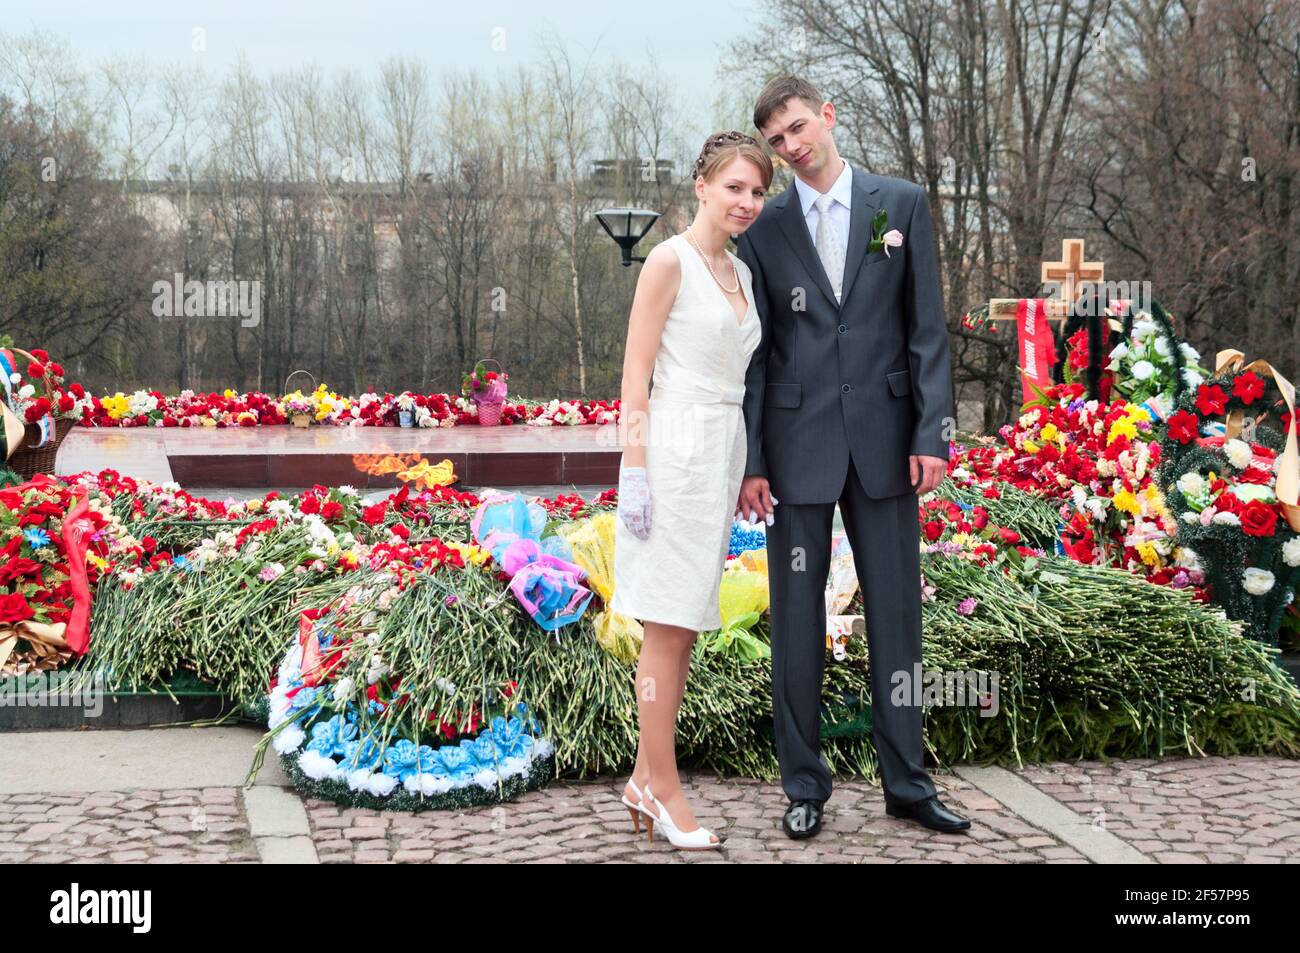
<point x="695" y="453"/>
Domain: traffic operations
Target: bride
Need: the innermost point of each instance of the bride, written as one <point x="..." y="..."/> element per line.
<point x="695" y="325"/>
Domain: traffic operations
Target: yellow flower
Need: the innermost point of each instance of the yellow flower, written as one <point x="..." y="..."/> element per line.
<point x="1030" y="446"/>
<point x="1138" y="413"/>
<point x="230" y="393"/>
<point x="1122" y="426"/>
<point x="1148" y="553"/>
<point x="208" y="421"/>
<point x="96" y="561"/>
<point x="1126" y="501"/>
<point x="1050" y="432"/>
<point x="117" y="406"/>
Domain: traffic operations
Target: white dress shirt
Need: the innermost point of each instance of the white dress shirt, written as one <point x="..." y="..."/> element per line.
<point x="841" y="191"/>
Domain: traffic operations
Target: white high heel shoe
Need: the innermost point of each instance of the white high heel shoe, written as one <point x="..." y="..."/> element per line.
<point x="699" y="839"/>
<point x="637" y="809"/>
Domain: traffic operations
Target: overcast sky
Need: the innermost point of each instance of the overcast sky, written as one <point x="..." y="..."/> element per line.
<point x="687" y="36"/>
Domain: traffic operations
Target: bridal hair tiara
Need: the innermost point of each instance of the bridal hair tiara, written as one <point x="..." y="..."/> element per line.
<point x="717" y="141"/>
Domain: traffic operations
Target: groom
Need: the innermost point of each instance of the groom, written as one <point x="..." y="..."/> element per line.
<point x="848" y="399"/>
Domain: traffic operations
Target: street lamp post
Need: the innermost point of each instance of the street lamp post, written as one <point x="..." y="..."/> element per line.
<point x="627" y="226"/>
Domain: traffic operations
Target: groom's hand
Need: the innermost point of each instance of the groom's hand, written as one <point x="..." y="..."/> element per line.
<point x="756" y="501"/>
<point x="929" y="470"/>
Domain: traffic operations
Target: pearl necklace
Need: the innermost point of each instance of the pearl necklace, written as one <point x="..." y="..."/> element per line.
<point x="708" y="264"/>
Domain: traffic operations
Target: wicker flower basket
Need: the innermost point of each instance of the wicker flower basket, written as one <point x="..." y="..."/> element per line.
<point x="31" y="457"/>
<point x="490" y="408"/>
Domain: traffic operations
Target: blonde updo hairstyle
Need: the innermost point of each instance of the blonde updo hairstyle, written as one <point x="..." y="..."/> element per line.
<point x="722" y="147"/>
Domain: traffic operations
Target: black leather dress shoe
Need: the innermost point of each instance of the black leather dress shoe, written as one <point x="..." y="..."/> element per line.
<point x="928" y="812"/>
<point x="803" y="819"/>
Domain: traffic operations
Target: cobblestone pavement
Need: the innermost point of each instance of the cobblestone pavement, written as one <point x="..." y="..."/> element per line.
<point x="179" y="826"/>
<point x="1239" y="809"/>
<point x="586" y="822"/>
<point x="1210" y="810"/>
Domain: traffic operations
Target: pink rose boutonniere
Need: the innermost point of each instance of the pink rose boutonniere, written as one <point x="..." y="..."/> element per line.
<point x="881" y="238"/>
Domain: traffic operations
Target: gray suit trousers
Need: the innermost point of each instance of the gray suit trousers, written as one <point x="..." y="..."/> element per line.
<point x="884" y="534"/>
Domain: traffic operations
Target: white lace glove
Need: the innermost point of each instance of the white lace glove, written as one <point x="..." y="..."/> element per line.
<point x="634" y="500"/>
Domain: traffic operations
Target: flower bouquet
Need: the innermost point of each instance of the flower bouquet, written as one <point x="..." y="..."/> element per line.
<point x="487" y="389"/>
<point x="299" y="409"/>
<point x="1145" y="366"/>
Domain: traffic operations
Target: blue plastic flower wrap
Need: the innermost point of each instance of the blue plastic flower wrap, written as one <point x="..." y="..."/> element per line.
<point x="542" y="575"/>
<point x="745" y="538"/>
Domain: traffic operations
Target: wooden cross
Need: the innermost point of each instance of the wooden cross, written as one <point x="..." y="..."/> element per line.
<point x="1068" y="273"/>
<point x="1072" y="269"/>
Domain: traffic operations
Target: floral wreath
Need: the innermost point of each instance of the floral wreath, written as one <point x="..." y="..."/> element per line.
<point x="1220" y="482"/>
<point x="335" y="752"/>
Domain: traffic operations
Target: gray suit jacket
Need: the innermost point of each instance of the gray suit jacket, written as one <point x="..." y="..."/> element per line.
<point x="870" y="375"/>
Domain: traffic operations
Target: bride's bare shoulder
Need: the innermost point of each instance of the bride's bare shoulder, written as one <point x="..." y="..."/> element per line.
<point x="662" y="270"/>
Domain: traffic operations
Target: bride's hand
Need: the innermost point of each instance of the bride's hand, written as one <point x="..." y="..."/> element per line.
<point x="756" y="501"/>
<point x="634" y="500"/>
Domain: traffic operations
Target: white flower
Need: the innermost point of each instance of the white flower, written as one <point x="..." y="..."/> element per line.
<point x="427" y="784"/>
<point x="1144" y="327"/>
<point x="1144" y="370"/>
<point x="1191" y="484"/>
<point x="1162" y="346"/>
<point x="1291" y="551"/>
<point x="289" y="739"/>
<point x="1257" y="581"/>
<point x="1190" y="354"/>
<point x="15" y="378"/>
<point x="1226" y="519"/>
<point x="380" y="784"/>
<point x="1191" y="378"/>
<point x="343" y="689"/>
<point x="1120" y="350"/>
<point x="347" y="490"/>
<point x="318" y="767"/>
<point x="27" y="390"/>
<point x="1253" y="491"/>
<point x="1238" y="453"/>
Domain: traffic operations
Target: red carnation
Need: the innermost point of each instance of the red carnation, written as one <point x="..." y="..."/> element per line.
<point x="331" y="510"/>
<point x="1009" y="535"/>
<point x="14" y="608"/>
<point x="1258" y="518"/>
<point x="17" y="568"/>
<point x="35" y="369"/>
<point x="933" y="529"/>
<point x="309" y="504"/>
